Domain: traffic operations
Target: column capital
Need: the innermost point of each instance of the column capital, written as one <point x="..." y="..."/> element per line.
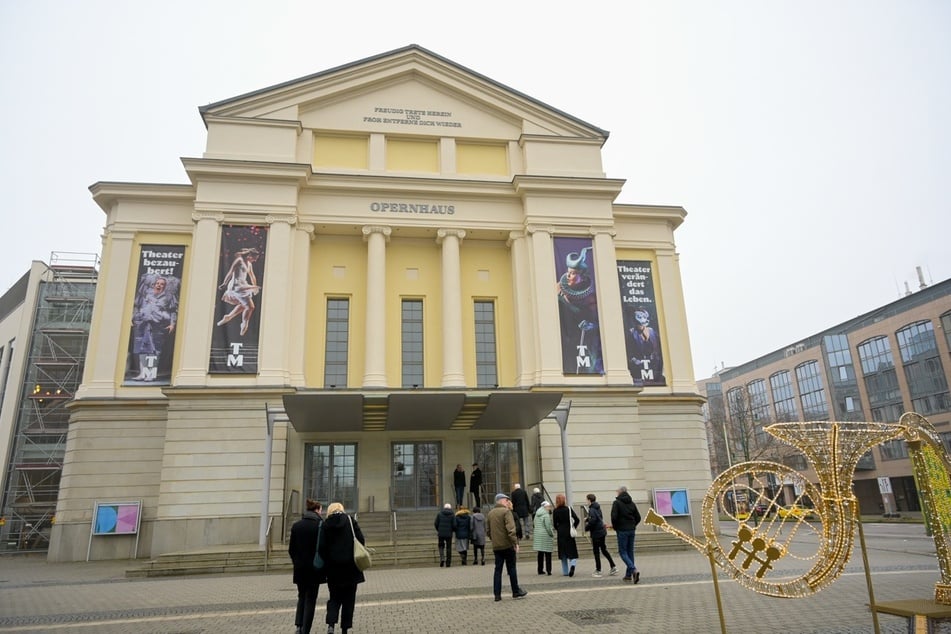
<point x="442" y="234"/>
<point x="217" y="216"/>
<point x="118" y="234"/>
<point x="289" y="219"/>
<point x="371" y="229"/>
<point x="513" y="236"/>
<point x="307" y="227"/>
<point x="533" y="229"/>
<point x="608" y="231"/>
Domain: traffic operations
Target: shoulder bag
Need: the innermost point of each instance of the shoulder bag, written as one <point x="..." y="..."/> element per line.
<point x="571" y="524"/>
<point x="318" y="560"/>
<point x="361" y="556"/>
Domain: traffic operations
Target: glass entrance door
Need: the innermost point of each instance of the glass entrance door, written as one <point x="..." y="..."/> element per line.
<point x="415" y="481"/>
<point x="330" y="474"/>
<point x="501" y="464"/>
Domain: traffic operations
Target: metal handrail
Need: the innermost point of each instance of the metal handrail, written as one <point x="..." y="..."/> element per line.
<point x="267" y="542"/>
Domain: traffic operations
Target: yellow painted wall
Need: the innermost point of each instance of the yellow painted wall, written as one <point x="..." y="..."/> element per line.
<point x="481" y="158"/>
<point x="326" y="253"/>
<point x="351" y="152"/>
<point x="169" y="239"/>
<point x="412" y="155"/>
<point x="487" y="275"/>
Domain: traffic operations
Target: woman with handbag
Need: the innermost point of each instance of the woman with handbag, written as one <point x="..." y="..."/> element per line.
<point x="565" y="522"/>
<point x="339" y="538"/>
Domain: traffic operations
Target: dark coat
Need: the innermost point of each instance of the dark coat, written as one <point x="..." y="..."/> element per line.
<point x="560" y="519"/>
<point x="624" y="514"/>
<point x="444" y="523"/>
<point x="336" y="549"/>
<point x="462" y="524"/>
<point x="536" y="503"/>
<point x="595" y="524"/>
<point x="475" y="480"/>
<point x="520" y="502"/>
<point x="458" y="478"/>
<point x="303" y="546"/>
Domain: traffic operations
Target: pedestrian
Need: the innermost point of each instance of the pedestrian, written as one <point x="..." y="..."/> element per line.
<point x="459" y="484"/>
<point x="302" y="548"/>
<point x="500" y="529"/>
<point x="462" y="528"/>
<point x="544" y="537"/>
<point x="536" y="503"/>
<point x="443" y="524"/>
<point x="475" y="484"/>
<point x="624" y="519"/>
<point x="599" y="533"/>
<point x="478" y="536"/>
<point x="562" y="519"/>
<point x="522" y="509"/>
<point x="335" y="547"/>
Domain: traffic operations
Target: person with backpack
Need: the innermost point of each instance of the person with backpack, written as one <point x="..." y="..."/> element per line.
<point x="595" y="527"/>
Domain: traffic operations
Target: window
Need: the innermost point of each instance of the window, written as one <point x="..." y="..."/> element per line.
<point x="784" y="400"/>
<point x="330" y="473"/>
<point x="946" y="327"/>
<point x="923" y="369"/>
<point x="487" y="375"/>
<point x="338" y="340"/>
<point x="759" y="402"/>
<point x="843" y="386"/>
<point x="811" y="392"/>
<point x="881" y="382"/>
<point x="412" y="342"/>
<point x="894" y="450"/>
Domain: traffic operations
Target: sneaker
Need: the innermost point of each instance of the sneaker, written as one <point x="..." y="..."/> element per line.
<point x="613" y="571"/>
<point x="597" y="573"/>
<point x="571" y="571"/>
<point x="637" y="576"/>
<point x="518" y="594"/>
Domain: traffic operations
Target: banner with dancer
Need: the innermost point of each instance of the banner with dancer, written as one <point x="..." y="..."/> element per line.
<point x="578" y="306"/>
<point x="234" y="339"/>
<point x="645" y="359"/>
<point x="154" y="315"/>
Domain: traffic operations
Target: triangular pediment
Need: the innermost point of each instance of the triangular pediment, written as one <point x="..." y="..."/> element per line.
<point x="410" y="90"/>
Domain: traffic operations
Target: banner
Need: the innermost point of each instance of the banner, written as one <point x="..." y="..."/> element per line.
<point x="234" y="338"/>
<point x="578" y="306"/>
<point x="645" y="359"/>
<point x="154" y="315"/>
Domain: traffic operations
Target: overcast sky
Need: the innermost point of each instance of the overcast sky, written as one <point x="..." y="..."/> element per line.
<point x="809" y="141"/>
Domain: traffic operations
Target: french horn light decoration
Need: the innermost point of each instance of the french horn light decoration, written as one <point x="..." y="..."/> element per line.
<point x="774" y="542"/>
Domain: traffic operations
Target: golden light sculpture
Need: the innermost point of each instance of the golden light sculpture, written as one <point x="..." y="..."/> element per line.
<point x="931" y="467"/>
<point x="772" y="542"/>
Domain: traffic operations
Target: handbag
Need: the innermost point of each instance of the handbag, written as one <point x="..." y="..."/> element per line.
<point x="318" y="560"/>
<point x="361" y="556"/>
<point x="571" y="524"/>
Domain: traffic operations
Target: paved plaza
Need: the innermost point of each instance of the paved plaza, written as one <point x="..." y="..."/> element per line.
<point x="675" y="595"/>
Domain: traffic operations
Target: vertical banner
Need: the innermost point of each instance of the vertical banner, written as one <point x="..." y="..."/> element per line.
<point x="645" y="359"/>
<point x="578" y="306"/>
<point x="234" y="338"/>
<point x="154" y="315"/>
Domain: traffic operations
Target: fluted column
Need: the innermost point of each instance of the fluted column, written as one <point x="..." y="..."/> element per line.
<point x="547" y="326"/>
<point x="452" y="370"/>
<point x="273" y="364"/>
<point x="200" y="292"/>
<point x="609" y="305"/>
<point x="374" y="367"/>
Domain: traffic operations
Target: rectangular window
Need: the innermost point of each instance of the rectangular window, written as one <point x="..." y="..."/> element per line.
<point x="811" y="392"/>
<point x="923" y="369"/>
<point x="784" y="400"/>
<point x="412" y="342"/>
<point x="406" y="155"/>
<point x="894" y="450"/>
<point x="881" y="381"/>
<point x="487" y="375"/>
<point x="338" y="342"/>
<point x="330" y="474"/>
<point x="946" y="327"/>
<point x="759" y="402"/>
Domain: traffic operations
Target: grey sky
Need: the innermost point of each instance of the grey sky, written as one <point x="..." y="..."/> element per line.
<point x="810" y="142"/>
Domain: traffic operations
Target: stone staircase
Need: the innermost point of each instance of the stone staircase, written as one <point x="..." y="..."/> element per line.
<point x="408" y="540"/>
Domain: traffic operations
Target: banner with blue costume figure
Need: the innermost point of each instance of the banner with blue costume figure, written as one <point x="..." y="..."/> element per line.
<point x="645" y="358"/>
<point x="578" y="306"/>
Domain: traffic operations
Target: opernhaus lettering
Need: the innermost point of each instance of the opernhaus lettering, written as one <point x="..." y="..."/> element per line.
<point x="413" y="208"/>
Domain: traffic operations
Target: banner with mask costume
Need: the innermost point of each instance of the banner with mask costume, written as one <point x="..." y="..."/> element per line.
<point x="234" y="337"/>
<point x="154" y="315"/>
<point x="578" y="306"/>
<point x="645" y="359"/>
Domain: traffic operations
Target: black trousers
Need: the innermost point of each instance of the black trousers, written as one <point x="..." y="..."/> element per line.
<point x="544" y="559"/>
<point x="306" y="605"/>
<point x="445" y="549"/>
<point x="507" y="558"/>
<point x="600" y="549"/>
<point x="343" y="599"/>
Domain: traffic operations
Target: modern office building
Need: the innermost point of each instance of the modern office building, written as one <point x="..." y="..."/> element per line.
<point x="44" y="327"/>
<point x="375" y="273"/>
<point x="873" y="367"/>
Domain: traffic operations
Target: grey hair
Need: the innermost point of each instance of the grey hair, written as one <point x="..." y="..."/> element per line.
<point x="622" y="489"/>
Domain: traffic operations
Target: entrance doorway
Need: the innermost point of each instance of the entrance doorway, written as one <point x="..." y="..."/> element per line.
<point x="415" y="481"/>
<point x="330" y="474"/>
<point x="501" y="464"/>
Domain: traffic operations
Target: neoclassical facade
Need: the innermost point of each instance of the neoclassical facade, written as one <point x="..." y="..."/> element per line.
<point x="376" y="273"/>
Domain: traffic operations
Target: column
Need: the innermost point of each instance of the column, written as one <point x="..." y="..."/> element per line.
<point x="300" y="282"/>
<point x="609" y="305"/>
<point x="452" y="370"/>
<point x="524" y="323"/>
<point x="374" y="367"/>
<point x="547" y="326"/>
<point x="273" y="358"/>
<point x="200" y="294"/>
<point x="678" y="362"/>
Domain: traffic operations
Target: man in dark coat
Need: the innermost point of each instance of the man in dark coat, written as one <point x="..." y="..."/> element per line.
<point x="522" y="509"/>
<point x="302" y="548"/>
<point x="624" y="519"/>
<point x="475" y="484"/>
<point x="444" y="523"/>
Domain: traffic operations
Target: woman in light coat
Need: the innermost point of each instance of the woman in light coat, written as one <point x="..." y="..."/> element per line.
<point x="543" y="537"/>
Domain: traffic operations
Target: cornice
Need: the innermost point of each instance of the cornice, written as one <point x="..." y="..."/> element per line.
<point x="672" y="215"/>
<point x="232" y="170"/>
<point x="377" y="184"/>
<point x="567" y="186"/>
<point x="108" y="193"/>
<point x="251" y="121"/>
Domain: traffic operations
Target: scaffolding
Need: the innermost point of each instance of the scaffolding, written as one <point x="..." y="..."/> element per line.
<point x="53" y="372"/>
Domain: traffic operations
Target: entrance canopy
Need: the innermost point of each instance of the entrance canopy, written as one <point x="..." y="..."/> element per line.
<point x="417" y="410"/>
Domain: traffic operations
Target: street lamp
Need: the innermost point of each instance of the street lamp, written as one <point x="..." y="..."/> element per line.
<point x="560" y="415"/>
